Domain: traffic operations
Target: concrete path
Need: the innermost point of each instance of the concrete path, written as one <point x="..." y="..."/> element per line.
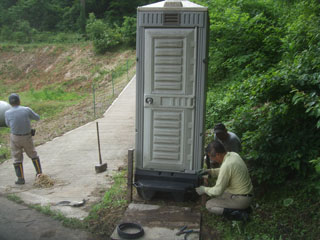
<point x="70" y="160"/>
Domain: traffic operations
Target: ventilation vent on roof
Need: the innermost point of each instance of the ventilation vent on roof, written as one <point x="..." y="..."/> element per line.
<point x="173" y="3"/>
<point x="171" y="18"/>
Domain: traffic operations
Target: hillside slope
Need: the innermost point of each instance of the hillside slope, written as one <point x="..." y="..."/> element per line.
<point x="60" y="82"/>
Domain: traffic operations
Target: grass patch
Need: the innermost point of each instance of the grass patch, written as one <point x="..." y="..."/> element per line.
<point x="104" y="215"/>
<point x="14" y="198"/>
<point x="123" y="68"/>
<point x="118" y="72"/>
<point x="67" y="222"/>
<point x="114" y="197"/>
<point x="18" y="47"/>
<point x="5" y="152"/>
<point x="291" y="211"/>
<point x="10" y="70"/>
<point x="53" y="93"/>
<point x="50" y="100"/>
<point x="73" y="81"/>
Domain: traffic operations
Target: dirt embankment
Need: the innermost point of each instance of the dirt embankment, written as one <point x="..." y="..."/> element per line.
<point x="72" y="67"/>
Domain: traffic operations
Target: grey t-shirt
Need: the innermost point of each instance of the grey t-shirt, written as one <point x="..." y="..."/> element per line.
<point x="232" y="143"/>
<point x="18" y="119"/>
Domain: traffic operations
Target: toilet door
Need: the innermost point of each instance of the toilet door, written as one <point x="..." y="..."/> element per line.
<point x="169" y="98"/>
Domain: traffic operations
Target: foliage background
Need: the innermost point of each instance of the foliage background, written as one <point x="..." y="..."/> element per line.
<point x="264" y="83"/>
<point x="60" y="21"/>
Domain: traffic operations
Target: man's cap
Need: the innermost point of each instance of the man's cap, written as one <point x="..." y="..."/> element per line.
<point x="220" y="127"/>
<point x="14" y="98"/>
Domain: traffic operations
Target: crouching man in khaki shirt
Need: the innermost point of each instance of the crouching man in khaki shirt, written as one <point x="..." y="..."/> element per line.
<point x="233" y="189"/>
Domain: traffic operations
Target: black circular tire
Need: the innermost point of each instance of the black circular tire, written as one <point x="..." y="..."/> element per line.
<point x="123" y="227"/>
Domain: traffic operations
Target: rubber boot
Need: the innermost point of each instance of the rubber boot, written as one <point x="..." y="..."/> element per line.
<point x="37" y="165"/>
<point x="19" y="172"/>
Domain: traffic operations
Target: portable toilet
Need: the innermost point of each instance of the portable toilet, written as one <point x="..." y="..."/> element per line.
<point x="170" y="97"/>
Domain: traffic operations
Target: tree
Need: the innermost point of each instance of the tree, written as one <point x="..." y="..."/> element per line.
<point x="83" y="16"/>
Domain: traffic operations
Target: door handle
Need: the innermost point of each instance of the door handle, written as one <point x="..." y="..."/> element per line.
<point x="149" y="100"/>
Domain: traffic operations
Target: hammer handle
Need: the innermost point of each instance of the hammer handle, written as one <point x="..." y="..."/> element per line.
<point x="100" y="160"/>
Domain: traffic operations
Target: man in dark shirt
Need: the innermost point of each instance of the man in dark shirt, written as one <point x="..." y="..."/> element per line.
<point x="18" y="119"/>
<point x="230" y="140"/>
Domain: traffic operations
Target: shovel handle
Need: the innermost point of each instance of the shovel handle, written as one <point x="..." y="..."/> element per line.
<point x="100" y="160"/>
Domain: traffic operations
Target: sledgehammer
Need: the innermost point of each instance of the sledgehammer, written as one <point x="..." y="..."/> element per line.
<point x="101" y="167"/>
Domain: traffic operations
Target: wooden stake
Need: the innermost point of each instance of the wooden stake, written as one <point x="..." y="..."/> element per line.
<point x="130" y="175"/>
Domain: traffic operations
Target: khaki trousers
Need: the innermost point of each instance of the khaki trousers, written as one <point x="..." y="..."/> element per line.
<point x="227" y="200"/>
<point x="20" y="143"/>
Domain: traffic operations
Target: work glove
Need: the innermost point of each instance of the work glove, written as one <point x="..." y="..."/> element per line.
<point x="200" y="190"/>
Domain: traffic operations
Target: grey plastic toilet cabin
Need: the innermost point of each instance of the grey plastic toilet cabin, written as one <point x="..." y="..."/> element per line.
<point x="170" y="96"/>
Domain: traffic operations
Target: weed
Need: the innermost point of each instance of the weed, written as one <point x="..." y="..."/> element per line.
<point x="105" y="89"/>
<point x="46" y="210"/>
<point x="115" y="196"/>
<point x="56" y="50"/>
<point x="67" y="222"/>
<point x="68" y="60"/>
<point x="73" y="81"/>
<point x="50" y="93"/>
<point x="14" y="198"/>
<point x="99" y="73"/>
<point x="104" y="215"/>
<point x="85" y="61"/>
<point x="10" y="70"/>
<point x="286" y="212"/>
<point x="50" y="100"/>
<point x="33" y="73"/>
<point x="4" y="153"/>
<point x="4" y="148"/>
<point x="123" y="68"/>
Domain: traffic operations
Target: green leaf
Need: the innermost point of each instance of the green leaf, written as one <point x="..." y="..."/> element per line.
<point x="287" y="202"/>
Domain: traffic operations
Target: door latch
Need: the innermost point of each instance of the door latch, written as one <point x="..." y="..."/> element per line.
<point x="149" y="100"/>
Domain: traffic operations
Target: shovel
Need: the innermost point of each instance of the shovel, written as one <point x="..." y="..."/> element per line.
<point x="101" y="167"/>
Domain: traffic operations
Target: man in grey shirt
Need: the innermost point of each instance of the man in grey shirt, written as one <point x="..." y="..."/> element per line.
<point x="230" y="141"/>
<point x="18" y="119"/>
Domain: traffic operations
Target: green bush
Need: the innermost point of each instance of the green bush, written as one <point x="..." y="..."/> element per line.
<point x="244" y="39"/>
<point x="104" y="37"/>
<point x="5" y="33"/>
<point x="128" y="31"/>
<point x="265" y="64"/>
<point x="33" y="36"/>
<point x="20" y="32"/>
